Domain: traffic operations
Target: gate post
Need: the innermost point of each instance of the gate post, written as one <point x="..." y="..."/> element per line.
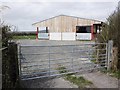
<point x="109" y="54"/>
<point x="49" y="60"/>
<point x="13" y="62"/>
<point x="19" y="58"/>
<point x="72" y="57"/>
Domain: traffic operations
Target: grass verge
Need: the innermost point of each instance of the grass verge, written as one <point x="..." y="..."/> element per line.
<point x="115" y="74"/>
<point x="25" y="37"/>
<point x="80" y="81"/>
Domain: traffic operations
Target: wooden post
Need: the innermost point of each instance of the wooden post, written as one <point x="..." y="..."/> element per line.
<point x="13" y="62"/>
<point x="0" y="60"/>
<point x="114" y="62"/>
<point x="92" y="37"/>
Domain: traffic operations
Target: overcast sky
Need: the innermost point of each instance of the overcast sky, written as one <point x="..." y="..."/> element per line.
<point x="24" y="13"/>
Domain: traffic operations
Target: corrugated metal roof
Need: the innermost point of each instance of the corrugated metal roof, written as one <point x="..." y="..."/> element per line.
<point x="67" y="16"/>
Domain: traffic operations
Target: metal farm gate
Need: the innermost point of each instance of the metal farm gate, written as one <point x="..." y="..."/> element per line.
<point x="46" y="61"/>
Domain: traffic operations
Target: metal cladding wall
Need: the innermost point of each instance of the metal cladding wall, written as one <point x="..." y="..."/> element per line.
<point x="83" y="36"/>
<point x="63" y="36"/>
<point x="68" y="36"/>
<point x="55" y="36"/>
<point x="43" y="36"/>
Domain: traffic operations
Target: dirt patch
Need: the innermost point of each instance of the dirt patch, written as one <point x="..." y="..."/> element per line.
<point x="56" y="82"/>
<point x="101" y="80"/>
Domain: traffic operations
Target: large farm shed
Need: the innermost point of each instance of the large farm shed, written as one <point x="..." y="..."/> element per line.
<point x="65" y="27"/>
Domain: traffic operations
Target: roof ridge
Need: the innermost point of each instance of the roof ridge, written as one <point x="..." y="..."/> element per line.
<point x="65" y="15"/>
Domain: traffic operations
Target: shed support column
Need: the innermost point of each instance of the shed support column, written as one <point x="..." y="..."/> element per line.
<point x="37" y="33"/>
<point x="92" y="32"/>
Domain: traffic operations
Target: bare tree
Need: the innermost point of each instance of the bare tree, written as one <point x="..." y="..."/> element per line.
<point x="2" y="8"/>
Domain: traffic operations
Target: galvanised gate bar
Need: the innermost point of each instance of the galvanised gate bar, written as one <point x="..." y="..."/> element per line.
<point x="46" y="61"/>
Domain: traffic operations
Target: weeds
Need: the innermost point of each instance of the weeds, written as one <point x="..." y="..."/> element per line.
<point x="115" y="74"/>
<point x="80" y="81"/>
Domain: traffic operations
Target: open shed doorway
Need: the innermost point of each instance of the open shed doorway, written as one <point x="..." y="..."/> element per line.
<point x="83" y="29"/>
<point x="83" y="32"/>
<point x="96" y="30"/>
<point x="43" y="33"/>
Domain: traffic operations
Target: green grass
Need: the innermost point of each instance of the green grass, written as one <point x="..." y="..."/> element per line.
<point x="94" y="58"/>
<point x="25" y="37"/>
<point x="115" y="74"/>
<point x="62" y="69"/>
<point x="80" y="81"/>
<point x="94" y="61"/>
